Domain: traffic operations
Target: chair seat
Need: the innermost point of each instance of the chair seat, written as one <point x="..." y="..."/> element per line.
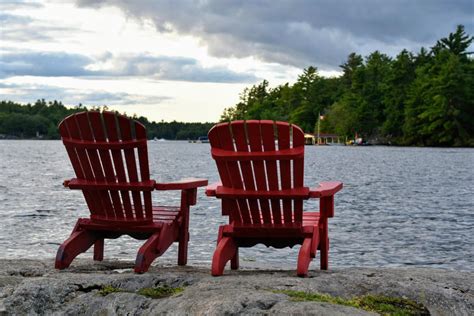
<point x="161" y="215"/>
<point x="287" y="230"/>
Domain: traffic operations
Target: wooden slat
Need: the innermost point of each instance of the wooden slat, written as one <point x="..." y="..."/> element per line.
<point x="64" y="132"/>
<point x="140" y="133"/>
<point x="111" y="186"/>
<point x="268" y="138"/>
<point x="112" y="135"/>
<point x="231" y="206"/>
<point x="285" y="168"/>
<point x="94" y="160"/>
<point x="100" y="136"/>
<point x="238" y="131"/>
<point x="227" y="155"/>
<point x="298" y="172"/>
<point x="255" y="142"/>
<point x="126" y="134"/>
<point x="83" y="159"/>
<point x="286" y="194"/>
<point x="88" y="144"/>
<point x="227" y="143"/>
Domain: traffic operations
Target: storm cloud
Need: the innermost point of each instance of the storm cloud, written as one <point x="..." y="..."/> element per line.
<point x="303" y="32"/>
<point x="29" y="93"/>
<point x="57" y="64"/>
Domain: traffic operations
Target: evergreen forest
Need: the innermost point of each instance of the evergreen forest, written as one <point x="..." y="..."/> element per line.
<point x="412" y="99"/>
<point x="423" y="99"/>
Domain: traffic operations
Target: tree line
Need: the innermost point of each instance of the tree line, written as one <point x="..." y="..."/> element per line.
<point x="41" y="120"/>
<point x="424" y="99"/>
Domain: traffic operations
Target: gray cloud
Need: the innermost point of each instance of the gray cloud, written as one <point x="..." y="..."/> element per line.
<point x="43" y="64"/>
<point x="29" y="93"/>
<point x="20" y="28"/>
<point x="158" y="67"/>
<point x="303" y="32"/>
<point x="18" y="4"/>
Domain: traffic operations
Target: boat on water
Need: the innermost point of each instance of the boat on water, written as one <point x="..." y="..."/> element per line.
<point x="200" y="140"/>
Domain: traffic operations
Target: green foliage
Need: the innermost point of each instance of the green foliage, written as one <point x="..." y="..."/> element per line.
<point x="160" y="292"/>
<point x="423" y="99"/>
<point x="109" y="289"/>
<point x="42" y="119"/>
<point x="151" y="292"/>
<point x="373" y="303"/>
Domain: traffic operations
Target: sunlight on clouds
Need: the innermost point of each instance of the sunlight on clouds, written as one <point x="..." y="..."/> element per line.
<point x="157" y="100"/>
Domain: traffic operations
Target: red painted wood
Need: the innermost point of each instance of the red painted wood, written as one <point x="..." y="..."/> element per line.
<point x="285" y="168"/>
<point x="126" y="135"/>
<point x="88" y="144"/>
<point x="268" y="140"/>
<point x="228" y="155"/>
<point x="216" y="142"/>
<point x="326" y="189"/>
<point x="100" y="136"/>
<point x="112" y="186"/>
<point x="256" y="171"/>
<point x="183" y="184"/>
<point x="242" y="146"/>
<point x="110" y="121"/>
<point x="298" y="171"/>
<point x="107" y="186"/>
<point x="300" y="193"/>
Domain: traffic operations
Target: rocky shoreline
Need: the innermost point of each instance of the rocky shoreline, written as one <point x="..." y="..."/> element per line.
<point x="111" y="288"/>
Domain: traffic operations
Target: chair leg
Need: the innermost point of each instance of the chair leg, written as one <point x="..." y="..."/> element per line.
<point x="234" y="262"/>
<point x="183" y="248"/>
<point x="225" y="251"/>
<point x="324" y="253"/>
<point x="154" y="247"/>
<point x="304" y="258"/>
<point x="99" y="250"/>
<point x="77" y="243"/>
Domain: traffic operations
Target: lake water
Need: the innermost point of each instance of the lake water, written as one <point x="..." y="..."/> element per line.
<point x="399" y="206"/>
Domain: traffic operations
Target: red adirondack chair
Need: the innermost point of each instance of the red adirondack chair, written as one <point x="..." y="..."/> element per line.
<point x="109" y="155"/>
<point x="261" y="164"/>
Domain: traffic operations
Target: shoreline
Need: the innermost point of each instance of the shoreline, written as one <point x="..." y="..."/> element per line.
<point x="29" y="286"/>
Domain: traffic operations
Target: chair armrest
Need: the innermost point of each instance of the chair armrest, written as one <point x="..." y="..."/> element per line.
<point x="183" y="184"/>
<point x="325" y="189"/>
<point x="212" y="188"/>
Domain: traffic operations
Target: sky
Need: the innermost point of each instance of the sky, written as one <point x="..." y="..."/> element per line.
<point x="188" y="60"/>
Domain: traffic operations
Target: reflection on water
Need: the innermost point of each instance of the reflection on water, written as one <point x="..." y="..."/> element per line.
<point x="399" y="206"/>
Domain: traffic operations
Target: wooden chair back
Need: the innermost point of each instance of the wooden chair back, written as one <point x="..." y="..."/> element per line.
<point x="109" y="155"/>
<point x="261" y="166"/>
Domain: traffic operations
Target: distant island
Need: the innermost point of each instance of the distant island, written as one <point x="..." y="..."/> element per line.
<point x="424" y="99"/>
<point x="41" y="119"/>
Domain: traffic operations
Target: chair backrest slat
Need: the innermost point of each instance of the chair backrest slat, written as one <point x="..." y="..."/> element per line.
<point x="228" y="205"/>
<point x="100" y="136"/>
<point x="240" y="137"/>
<point x="241" y="214"/>
<point x="298" y="173"/>
<point x="268" y="139"/>
<point x="94" y="163"/>
<point x="140" y="133"/>
<point x="255" y="145"/>
<point x="86" y="136"/>
<point x="283" y="130"/>
<point x="249" y="162"/>
<point x="126" y="134"/>
<point x="110" y="121"/>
